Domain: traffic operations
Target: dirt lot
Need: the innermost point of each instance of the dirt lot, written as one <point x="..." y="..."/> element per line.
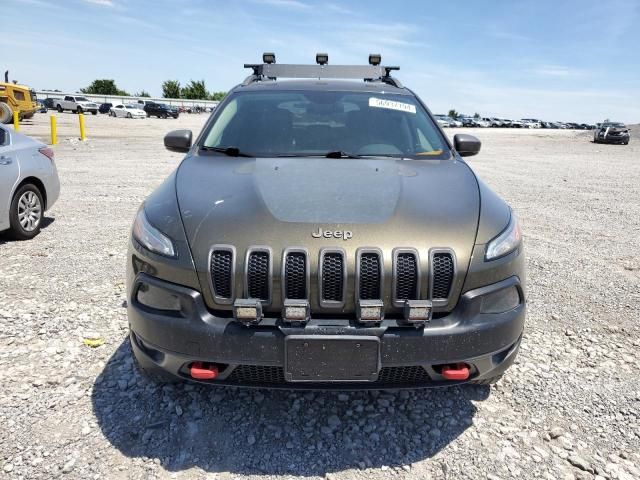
<point x="569" y="408"/>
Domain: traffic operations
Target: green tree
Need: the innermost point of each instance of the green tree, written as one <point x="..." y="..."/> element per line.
<point x="104" y="87"/>
<point x="195" y="90"/>
<point x="217" y="96"/>
<point x="171" y="89"/>
<point x="141" y="93"/>
<point x="453" y="114"/>
<point x="476" y="115"/>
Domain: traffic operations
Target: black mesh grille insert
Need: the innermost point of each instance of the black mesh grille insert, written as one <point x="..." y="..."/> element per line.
<point x="260" y="374"/>
<point x="442" y="268"/>
<point x="370" y="276"/>
<point x="406" y="276"/>
<point x="221" y="267"/>
<point x="258" y="275"/>
<point x="295" y="276"/>
<point x="332" y="276"/>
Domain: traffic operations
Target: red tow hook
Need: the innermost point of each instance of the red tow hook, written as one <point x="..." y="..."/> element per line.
<point x="458" y="372"/>
<point x="198" y="371"/>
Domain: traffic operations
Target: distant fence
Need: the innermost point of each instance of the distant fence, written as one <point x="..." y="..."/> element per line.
<point x="178" y="102"/>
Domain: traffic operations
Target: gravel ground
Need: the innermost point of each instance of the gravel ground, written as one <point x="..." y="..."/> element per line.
<point x="569" y="408"/>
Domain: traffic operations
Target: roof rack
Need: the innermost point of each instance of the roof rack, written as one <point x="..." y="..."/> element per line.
<point x="269" y="70"/>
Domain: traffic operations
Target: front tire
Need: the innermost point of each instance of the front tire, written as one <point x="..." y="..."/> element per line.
<point x="59" y="108"/>
<point x="79" y="110"/>
<point x="129" y="115"/>
<point x="94" y="112"/>
<point x="26" y="212"/>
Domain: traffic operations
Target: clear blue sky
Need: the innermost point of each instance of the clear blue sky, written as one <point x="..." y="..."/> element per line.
<point x="557" y="60"/>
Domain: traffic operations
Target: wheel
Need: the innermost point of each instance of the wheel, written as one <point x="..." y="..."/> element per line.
<point x="148" y="114"/>
<point x="487" y="381"/>
<point x="79" y="110"/>
<point x="26" y="212"/>
<point x="6" y="114"/>
<point x="59" y="108"/>
<point x="94" y="112"/>
<point x="625" y="143"/>
<point x="129" y="115"/>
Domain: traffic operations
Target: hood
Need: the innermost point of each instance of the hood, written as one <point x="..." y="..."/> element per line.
<point x="293" y="202"/>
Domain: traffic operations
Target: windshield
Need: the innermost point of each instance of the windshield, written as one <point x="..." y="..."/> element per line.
<point x="131" y="107"/>
<point x="613" y="124"/>
<point x="265" y="124"/>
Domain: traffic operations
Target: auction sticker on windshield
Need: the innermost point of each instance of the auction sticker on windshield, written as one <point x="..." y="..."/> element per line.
<point x="390" y="104"/>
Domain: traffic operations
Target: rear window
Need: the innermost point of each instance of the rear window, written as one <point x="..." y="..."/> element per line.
<point x="266" y="124"/>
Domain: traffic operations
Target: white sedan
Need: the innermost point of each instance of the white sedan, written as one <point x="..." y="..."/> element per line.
<point x="29" y="183"/>
<point x="128" y="111"/>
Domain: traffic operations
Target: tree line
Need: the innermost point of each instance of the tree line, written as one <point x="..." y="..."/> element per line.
<point x="194" y="90"/>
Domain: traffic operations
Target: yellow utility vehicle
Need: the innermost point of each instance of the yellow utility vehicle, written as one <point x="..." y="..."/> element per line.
<point x="16" y="98"/>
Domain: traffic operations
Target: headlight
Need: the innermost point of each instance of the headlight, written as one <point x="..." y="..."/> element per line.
<point x="506" y="242"/>
<point x="150" y="237"/>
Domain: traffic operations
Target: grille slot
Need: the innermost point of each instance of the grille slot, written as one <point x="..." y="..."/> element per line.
<point x="261" y="374"/>
<point x="332" y="277"/>
<point x="369" y="276"/>
<point x="258" y="273"/>
<point x="442" y="275"/>
<point x="221" y="270"/>
<point x="406" y="276"/>
<point x="295" y="276"/>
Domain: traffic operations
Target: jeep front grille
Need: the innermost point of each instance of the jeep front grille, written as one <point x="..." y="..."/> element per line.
<point x="221" y="273"/>
<point x="442" y="270"/>
<point x="258" y="275"/>
<point x="295" y="276"/>
<point x="369" y="276"/>
<point x="332" y="277"/>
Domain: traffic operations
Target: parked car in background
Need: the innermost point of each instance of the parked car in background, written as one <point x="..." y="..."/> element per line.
<point x="105" y="107"/>
<point x="41" y="107"/>
<point x="77" y="104"/>
<point x="495" y="122"/>
<point x="455" y="122"/>
<point x="160" y="110"/>
<point x="29" y="183"/>
<point x="612" y="132"/>
<point x="531" y="123"/>
<point x="127" y="111"/>
<point x="516" y="124"/>
<point x="50" y="103"/>
<point x="468" y="121"/>
<point x="443" y="120"/>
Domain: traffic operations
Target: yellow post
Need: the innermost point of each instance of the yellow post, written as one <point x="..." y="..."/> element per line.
<point x="16" y="121"/>
<point x="54" y="130"/>
<point x="83" y="136"/>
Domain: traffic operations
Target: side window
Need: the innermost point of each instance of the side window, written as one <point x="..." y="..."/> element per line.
<point x="18" y="95"/>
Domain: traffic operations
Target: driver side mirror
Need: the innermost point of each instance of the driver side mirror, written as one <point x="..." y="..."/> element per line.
<point x="178" y="140"/>
<point x="466" y="145"/>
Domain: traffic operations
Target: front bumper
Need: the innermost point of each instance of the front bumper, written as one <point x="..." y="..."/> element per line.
<point x="255" y="356"/>
<point x="623" y="138"/>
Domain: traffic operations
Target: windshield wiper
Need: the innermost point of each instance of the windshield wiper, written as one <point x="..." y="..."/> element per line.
<point x="230" y="151"/>
<point x="341" y="154"/>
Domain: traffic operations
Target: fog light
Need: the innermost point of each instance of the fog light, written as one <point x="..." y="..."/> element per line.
<point x="417" y="311"/>
<point x="157" y="298"/>
<point x="501" y="301"/>
<point x="370" y="310"/>
<point x="295" y="311"/>
<point x="322" y="58"/>
<point x="269" y="57"/>
<point x="247" y="310"/>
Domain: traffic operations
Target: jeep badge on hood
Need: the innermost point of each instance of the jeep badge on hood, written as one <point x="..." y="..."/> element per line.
<point x="345" y="235"/>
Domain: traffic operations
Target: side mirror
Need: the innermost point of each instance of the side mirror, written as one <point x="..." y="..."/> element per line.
<point x="466" y="145"/>
<point x="178" y="140"/>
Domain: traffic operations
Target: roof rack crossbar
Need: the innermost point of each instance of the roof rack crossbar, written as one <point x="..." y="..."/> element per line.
<point x="360" y="72"/>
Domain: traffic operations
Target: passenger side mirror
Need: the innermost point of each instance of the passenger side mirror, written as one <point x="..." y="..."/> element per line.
<point x="466" y="145"/>
<point x="178" y="140"/>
